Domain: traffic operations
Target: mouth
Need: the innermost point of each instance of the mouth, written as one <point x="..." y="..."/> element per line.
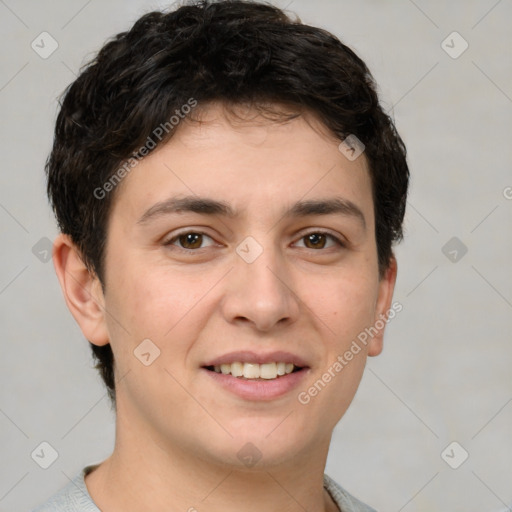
<point x="255" y="371"/>
<point x="257" y="377"/>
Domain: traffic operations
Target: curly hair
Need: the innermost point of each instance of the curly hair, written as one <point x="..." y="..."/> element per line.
<point x="233" y="51"/>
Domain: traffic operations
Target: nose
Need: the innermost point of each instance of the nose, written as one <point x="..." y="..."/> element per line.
<point x="261" y="293"/>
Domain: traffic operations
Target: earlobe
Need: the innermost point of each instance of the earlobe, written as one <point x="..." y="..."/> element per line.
<point x="385" y="296"/>
<point x="81" y="289"/>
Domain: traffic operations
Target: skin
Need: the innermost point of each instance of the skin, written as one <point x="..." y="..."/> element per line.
<point x="178" y="434"/>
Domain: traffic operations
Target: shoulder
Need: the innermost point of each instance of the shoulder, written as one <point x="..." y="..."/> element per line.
<point x="74" y="497"/>
<point x="345" y="501"/>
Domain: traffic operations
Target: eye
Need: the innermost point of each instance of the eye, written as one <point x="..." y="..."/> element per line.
<point x="317" y="240"/>
<point x="193" y="240"/>
<point x="188" y="240"/>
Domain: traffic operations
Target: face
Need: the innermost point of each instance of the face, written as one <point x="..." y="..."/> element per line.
<point x="235" y="246"/>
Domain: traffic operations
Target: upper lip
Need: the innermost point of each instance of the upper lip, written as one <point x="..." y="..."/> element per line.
<point x="248" y="356"/>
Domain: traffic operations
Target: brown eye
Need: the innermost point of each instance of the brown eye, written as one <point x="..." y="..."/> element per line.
<point x="189" y="240"/>
<point x="319" y="239"/>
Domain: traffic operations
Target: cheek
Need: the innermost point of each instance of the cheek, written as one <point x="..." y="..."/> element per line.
<point x="158" y="305"/>
<point x="348" y="306"/>
<point x="149" y="306"/>
<point x="149" y="298"/>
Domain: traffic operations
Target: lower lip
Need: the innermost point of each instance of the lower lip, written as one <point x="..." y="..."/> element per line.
<point x="259" y="389"/>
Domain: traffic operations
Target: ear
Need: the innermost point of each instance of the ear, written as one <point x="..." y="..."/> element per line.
<point x="385" y="295"/>
<point x="82" y="290"/>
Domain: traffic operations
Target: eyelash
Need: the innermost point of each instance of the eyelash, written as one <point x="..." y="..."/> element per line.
<point x="316" y="232"/>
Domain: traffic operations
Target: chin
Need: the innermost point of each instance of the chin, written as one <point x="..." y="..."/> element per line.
<point x="255" y="455"/>
<point x="263" y="444"/>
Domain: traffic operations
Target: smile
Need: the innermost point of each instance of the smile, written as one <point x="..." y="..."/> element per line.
<point x="251" y="371"/>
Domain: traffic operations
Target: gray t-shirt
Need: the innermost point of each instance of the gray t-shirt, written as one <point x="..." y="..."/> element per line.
<point x="74" y="497"/>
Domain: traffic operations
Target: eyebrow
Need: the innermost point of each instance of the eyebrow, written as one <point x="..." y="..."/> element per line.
<point x="207" y="206"/>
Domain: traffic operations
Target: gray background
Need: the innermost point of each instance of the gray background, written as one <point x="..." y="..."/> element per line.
<point x="444" y="374"/>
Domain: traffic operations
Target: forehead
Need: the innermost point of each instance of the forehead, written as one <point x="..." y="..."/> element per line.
<point x="245" y="159"/>
<point x="247" y="128"/>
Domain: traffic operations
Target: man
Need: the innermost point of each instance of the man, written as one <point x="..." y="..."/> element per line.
<point x="228" y="190"/>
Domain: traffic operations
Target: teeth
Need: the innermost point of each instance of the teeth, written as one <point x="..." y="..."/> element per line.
<point x="251" y="371"/>
<point x="255" y="371"/>
<point x="237" y="369"/>
<point x="269" y="371"/>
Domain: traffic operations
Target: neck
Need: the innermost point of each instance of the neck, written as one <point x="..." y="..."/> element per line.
<point x="144" y="472"/>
